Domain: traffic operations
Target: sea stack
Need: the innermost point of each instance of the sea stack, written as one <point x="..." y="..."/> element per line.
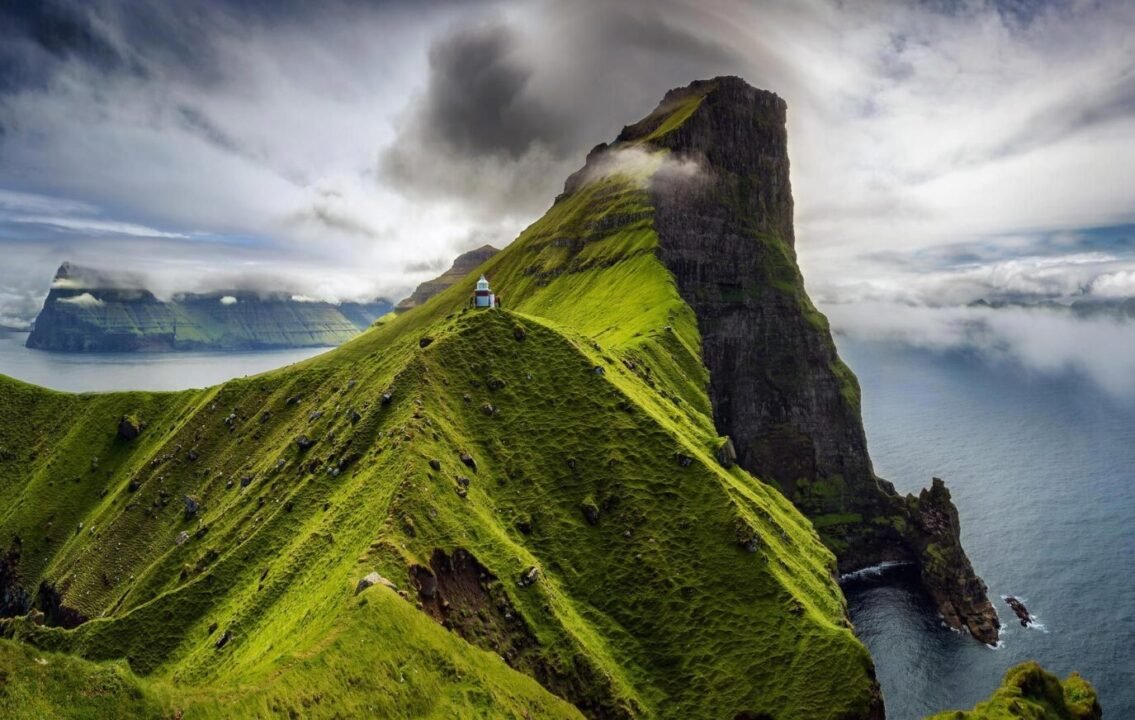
<point x="724" y="219"/>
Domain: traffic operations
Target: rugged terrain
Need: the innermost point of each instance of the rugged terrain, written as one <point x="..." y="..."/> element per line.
<point x="463" y="264"/>
<point x="88" y="310"/>
<point x="528" y="513"/>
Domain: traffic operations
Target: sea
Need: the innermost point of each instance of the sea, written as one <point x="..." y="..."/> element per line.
<point x="1041" y="467"/>
<point x="1042" y="470"/>
<point x="102" y="372"/>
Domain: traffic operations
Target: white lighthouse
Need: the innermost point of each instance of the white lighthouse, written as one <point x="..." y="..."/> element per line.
<point x="483" y="296"/>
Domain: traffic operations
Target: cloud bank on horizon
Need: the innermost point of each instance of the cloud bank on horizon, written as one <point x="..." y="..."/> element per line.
<point x="943" y="151"/>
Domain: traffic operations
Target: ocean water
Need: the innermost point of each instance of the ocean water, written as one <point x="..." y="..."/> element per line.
<point x="1042" y="469"/>
<point x="90" y="372"/>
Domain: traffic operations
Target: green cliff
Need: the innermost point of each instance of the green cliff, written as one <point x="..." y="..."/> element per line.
<point x="527" y="513"/>
<point x="91" y="311"/>
<point x="1030" y="693"/>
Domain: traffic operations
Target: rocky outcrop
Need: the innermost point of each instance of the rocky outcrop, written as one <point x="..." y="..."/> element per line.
<point x="464" y="596"/>
<point x="723" y="213"/>
<point x="464" y="264"/>
<point x="946" y="571"/>
<point x="92" y="311"/>
<point x="1019" y="610"/>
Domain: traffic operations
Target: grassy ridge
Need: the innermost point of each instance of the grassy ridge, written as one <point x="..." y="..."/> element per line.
<point x="550" y="468"/>
<point x="645" y="612"/>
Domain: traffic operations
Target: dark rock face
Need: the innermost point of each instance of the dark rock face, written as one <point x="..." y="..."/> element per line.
<point x="56" y="612"/>
<point x="778" y="388"/>
<point x="14" y="599"/>
<point x="464" y="596"/>
<point x="946" y="571"/>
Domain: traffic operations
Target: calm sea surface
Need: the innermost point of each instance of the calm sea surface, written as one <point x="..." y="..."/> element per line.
<point x="83" y="372"/>
<point x="1042" y="469"/>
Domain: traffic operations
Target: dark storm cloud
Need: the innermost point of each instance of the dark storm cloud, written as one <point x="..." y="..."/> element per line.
<point x="477" y="102"/>
<point x="510" y="107"/>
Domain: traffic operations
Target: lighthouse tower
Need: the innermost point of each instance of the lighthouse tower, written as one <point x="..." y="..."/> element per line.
<point x="483" y="297"/>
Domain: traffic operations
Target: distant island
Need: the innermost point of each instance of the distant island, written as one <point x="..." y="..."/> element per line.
<point x="92" y="310"/>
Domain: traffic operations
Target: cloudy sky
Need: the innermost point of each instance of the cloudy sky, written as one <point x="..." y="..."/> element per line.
<point x="942" y="152"/>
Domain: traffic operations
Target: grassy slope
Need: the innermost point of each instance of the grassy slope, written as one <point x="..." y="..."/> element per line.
<point x="655" y="611"/>
<point x="1030" y="693"/>
<point x="658" y="605"/>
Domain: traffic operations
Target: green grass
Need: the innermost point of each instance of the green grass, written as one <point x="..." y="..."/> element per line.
<point x="697" y="592"/>
<point x="1030" y="693"/>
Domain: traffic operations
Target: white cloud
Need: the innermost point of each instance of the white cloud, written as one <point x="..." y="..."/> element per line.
<point x="911" y="130"/>
<point x="1101" y="349"/>
<point x="82" y="300"/>
<point x="228" y="300"/>
<point x="1120" y="284"/>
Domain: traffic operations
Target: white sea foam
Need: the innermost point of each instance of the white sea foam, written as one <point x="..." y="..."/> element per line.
<point x="873" y="570"/>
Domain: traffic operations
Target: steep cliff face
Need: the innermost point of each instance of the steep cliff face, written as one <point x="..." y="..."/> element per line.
<point x="463" y="264"/>
<point x="92" y="311"/>
<point x="723" y="214"/>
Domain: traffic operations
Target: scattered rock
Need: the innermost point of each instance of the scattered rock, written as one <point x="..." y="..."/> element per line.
<point x="747" y="537"/>
<point x="488" y="409"/>
<point x="528" y="577"/>
<point x="129" y="428"/>
<point x="304" y="442"/>
<point x="182" y="538"/>
<point x="36" y="616"/>
<point x="726" y="453"/>
<point x="590" y="513"/>
<point x="212" y="628"/>
<point x="599" y="370"/>
<point x="354" y="416"/>
<point x="387" y="397"/>
<point x="265" y="417"/>
<point x="468" y="460"/>
<point x="134" y="485"/>
<point x="467" y="398"/>
<point x="495" y="383"/>
<point x="571" y="463"/>
<point x="245" y="480"/>
<point x="683" y="460"/>
<point x="193" y="455"/>
<point x="192" y="505"/>
<point x="435" y="464"/>
<point x="374" y="579"/>
<point x="224" y="639"/>
<point x="519" y="333"/>
<point x="312" y="417"/>
<point x="425" y="342"/>
<point x="293" y="400"/>
<point x="1020" y="610"/>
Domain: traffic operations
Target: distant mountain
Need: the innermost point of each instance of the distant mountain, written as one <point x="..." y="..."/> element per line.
<point x="462" y="266"/>
<point x="1091" y="307"/>
<point x="91" y="310"/>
